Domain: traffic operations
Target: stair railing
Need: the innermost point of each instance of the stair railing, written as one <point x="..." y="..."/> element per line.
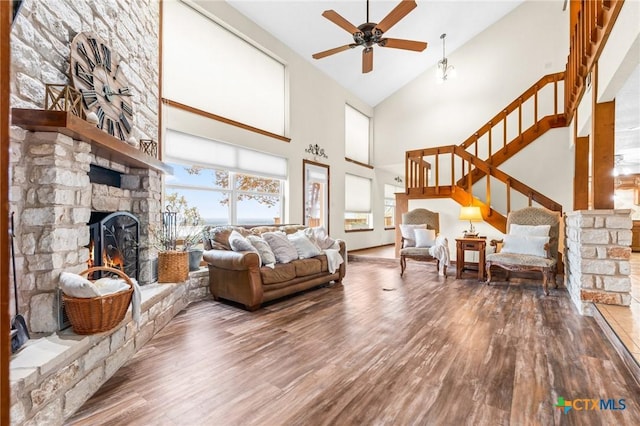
<point x="526" y="108"/>
<point x="590" y="24"/>
<point x="435" y="171"/>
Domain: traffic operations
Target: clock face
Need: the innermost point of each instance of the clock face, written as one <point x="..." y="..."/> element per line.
<point x="96" y="73"/>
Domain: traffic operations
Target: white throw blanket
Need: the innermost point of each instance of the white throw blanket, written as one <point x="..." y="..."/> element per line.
<point x="440" y="251"/>
<point x="334" y="260"/>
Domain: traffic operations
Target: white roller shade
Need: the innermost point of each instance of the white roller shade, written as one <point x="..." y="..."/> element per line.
<point x="210" y="68"/>
<point x="356" y="135"/>
<point x="189" y="149"/>
<point x="357" y="194"/>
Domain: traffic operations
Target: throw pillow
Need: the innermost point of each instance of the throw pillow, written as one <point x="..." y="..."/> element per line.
<point x="239" y="243"/>
<point x="408" y="233"/>
<point x="265" y="252"/>
<point x="533" y="230"/>
<point x="282" y="248"/>
<point x="75" y="285"/>
<point x="525" y="244"/>
<point x="425" y="237"/>
<point x="303" y="245"/>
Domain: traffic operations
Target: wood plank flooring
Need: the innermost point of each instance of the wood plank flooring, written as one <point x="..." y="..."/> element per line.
<point x="379" y="349"/>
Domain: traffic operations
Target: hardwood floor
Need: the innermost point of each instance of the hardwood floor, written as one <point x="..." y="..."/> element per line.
<point x="379" y="349"/>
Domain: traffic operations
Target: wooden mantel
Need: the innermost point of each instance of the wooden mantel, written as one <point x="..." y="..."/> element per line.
<point x="102" y="144"/>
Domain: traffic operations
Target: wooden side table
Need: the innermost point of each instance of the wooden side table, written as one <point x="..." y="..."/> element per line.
<point x="470" y="244"/>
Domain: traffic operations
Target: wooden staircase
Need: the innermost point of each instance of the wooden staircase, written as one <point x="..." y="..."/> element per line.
<point x="452" y="171"/>
<point x="483" y="140"/>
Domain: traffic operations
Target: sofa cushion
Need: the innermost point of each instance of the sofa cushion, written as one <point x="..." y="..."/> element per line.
<point x="239" y="243"/>
<point x="324" y="266"/>
<point x="305" y="248"/>
<point x="291" y="229"/>
<point x="281" y="272"/>
<point x="306" y="267"/>
<point x="259" y="230"/>
<point x="266" y="254"/>
<point x="219" y="236"/>
<point x="282" y="248"/>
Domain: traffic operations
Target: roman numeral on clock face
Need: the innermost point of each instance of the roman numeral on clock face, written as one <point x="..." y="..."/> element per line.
<point x="83" y="75"/>
<point x="83" y="51"/>
<point x="89" y="97"/>
<point x="106" y="54"/>
<point x="110" y="127"/>
<point x="100" y="114"/>
<point x="93" y="43"/>
<point x="125" y="123"/>
<point x="126" y="108"/>
<point x="120" y="132"/>
<point x="125" y="91"/>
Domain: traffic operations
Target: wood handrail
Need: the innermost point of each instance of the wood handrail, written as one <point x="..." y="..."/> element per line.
<point x="415" y="161"/>
<point x="517" y="105"/>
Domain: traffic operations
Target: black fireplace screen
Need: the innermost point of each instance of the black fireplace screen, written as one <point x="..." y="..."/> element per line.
<point x="114" y="242"/>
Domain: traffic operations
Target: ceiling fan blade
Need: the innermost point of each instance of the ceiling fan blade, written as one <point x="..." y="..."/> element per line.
<point x="333" y="51"/>
<point x="397" y="43"/>
<point x="334" y="17"/>
<point x="399" y="12"/>
<point x="367" y="60"/>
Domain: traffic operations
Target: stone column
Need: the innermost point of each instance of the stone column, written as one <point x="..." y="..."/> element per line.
<point x="597" y="253"/>
<point x="54" y="229"/>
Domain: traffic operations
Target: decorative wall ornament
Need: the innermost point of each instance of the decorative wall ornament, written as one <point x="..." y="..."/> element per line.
<point x="316" y="151"/>
<point x="60" y="97"/>
<point x="149" y="147"/>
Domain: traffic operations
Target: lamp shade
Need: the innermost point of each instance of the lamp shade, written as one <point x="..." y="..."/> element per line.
<point x="471" y="213"/>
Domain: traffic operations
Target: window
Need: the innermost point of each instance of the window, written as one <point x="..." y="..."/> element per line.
<point x="356" y="135"/>
<point x="218" y="183"/>
<point x="208" y="67"/>
<point x="357" y="191"/>
<point x="390" y="205"/>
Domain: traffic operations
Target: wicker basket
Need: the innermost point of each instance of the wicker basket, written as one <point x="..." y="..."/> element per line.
<point x="173" y="266"/>
<point x="98" y="314"/>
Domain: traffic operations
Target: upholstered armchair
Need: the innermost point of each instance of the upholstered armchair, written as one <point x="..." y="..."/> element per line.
<point x="421" y="246"/>
<point x="531" y="244"/>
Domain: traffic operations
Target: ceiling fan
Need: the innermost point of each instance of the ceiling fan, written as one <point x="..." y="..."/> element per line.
<point x="370" y="33"/>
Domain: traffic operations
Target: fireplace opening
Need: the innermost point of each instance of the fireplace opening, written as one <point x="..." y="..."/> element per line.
<point x="114" y="242"/>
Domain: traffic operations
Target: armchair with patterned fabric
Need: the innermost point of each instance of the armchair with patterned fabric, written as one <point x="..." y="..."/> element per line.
<point x="420" y="240"/>
<point x="531" y="244"/>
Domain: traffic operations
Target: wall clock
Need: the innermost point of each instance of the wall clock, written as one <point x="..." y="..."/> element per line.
<point x="97" y="75"/>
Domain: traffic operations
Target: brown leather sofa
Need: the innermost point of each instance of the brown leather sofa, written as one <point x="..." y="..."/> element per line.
<point x="239" y="276"/>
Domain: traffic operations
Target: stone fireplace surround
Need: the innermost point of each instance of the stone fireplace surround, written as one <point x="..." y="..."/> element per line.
<point x="52" y="197"/>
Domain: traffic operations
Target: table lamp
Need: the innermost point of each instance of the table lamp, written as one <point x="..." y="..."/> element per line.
<point x="472" y="214"/>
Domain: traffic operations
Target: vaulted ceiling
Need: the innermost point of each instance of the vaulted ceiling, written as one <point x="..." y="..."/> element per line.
<point x="300" y="25"/>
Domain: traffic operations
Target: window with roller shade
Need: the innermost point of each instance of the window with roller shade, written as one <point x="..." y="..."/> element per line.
<point x="356" y="135"/>
<point x="357" y="203"/>
<point x="212" y="68"/>
<point x="220" y="183"/>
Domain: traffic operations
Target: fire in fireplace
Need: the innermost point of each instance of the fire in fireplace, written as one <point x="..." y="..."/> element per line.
<point x="114" y="242"/>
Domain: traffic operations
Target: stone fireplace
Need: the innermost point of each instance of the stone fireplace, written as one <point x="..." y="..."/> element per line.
<point x="58" y="201"/>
